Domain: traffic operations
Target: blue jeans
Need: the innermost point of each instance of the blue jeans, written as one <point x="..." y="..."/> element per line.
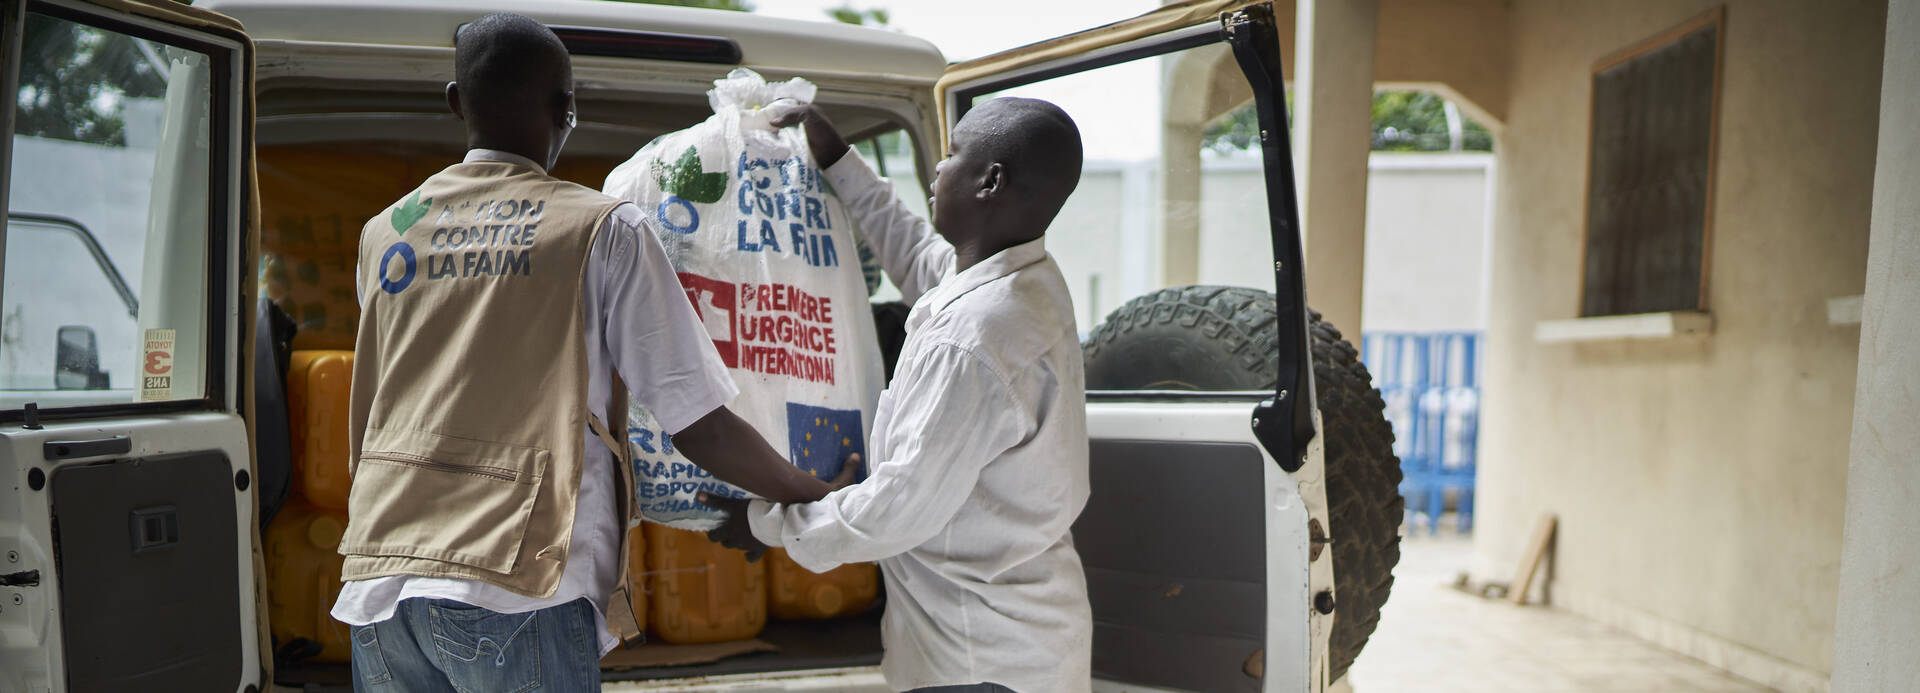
<point x="441" y="645"/>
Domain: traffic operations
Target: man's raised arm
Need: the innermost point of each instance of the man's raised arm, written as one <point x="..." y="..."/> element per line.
<point x="914" y="257"/>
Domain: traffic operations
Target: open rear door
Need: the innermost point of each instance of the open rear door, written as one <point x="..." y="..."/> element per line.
<point x="126" y="481"/>
<point x="1207" y="475"/>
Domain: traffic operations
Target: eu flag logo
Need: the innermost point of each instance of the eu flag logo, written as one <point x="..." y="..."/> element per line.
<point x="819" y="439"/>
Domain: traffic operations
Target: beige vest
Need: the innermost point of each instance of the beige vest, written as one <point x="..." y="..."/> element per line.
<point x="470" y="384"/>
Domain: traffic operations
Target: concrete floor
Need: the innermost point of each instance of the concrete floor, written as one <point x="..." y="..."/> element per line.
<point x="1432" y="638"/>
<point x="1435" y="638"/>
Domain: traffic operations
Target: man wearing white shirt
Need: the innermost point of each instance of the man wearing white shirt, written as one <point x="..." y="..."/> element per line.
<point x="979" y="453"/>
<point x="487" y="521"/>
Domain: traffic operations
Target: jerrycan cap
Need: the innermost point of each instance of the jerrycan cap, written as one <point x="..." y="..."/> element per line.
<point x="325" y="532"/>
<point x="827" y="599"/>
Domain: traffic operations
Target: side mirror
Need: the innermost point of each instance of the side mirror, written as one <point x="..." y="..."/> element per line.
<point x="77" y="360"/>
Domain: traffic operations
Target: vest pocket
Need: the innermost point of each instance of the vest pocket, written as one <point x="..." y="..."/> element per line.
<point x="422" y="495"/>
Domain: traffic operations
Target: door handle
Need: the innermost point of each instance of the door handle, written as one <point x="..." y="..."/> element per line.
<point x="65" y="449"/>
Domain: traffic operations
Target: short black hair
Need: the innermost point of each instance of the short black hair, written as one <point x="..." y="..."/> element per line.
<point x="508" y="63"/>
<point x="1036" y="141"/>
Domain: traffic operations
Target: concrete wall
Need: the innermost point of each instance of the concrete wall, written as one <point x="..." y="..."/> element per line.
<point x="1879" y="622"/>
<point x="1087" y="239"/>
<point x="1426" y="234"/>
<point x="1236" y="242"/>
<point x="1457" y="46"/>
<point x="1699" y="482"/>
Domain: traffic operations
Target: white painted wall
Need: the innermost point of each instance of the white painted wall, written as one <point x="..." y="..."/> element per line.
<point x="1088" y="241"/>
<point x="1699" y="483"/>
<point x="1426" y="234"/>
<point x="1879" y="613"/>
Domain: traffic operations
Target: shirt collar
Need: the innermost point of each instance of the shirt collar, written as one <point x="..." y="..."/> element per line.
<point x="483" y="154"/>
<point x="999" y="265"/>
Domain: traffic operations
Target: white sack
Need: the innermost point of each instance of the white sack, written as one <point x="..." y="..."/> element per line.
<point x="769" y="260"/>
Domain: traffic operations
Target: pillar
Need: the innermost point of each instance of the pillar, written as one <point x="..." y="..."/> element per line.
<point x="1332" y="137"/>
<point x="1878" y="623"/>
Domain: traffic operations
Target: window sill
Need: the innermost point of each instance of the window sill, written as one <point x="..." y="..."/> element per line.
<point x="1668" y="325"/>
<point x="1844" y="310"/>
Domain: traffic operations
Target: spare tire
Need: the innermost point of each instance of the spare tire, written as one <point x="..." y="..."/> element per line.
<point x="1224" y="338"/>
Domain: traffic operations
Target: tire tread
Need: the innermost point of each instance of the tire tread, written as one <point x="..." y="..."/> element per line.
<point x="1363" y="475"/>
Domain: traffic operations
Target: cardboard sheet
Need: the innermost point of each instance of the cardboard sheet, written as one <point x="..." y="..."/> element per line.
<point x="662" y="654"/>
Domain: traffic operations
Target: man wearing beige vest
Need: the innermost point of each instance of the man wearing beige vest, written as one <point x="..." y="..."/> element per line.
<point x="486" y="538"/>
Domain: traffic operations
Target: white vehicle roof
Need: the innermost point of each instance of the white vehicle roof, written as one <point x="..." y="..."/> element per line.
<point x="765" y="42"/>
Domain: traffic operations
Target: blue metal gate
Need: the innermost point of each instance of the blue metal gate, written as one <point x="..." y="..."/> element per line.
<point x="1430" y="382"/>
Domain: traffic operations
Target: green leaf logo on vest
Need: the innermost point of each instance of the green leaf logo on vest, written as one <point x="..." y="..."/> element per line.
<point x="411" y="210"/>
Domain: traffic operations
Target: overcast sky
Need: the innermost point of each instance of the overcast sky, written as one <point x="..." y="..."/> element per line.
<point x="971" y="28"/>
<point x="1115" y="107"/>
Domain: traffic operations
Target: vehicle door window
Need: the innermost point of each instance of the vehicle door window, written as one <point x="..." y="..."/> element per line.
<point x="84" y="327"/>
<point x="104" y="298"/>
<point x="1166" y="244"/>
<point x="890" y="154"/>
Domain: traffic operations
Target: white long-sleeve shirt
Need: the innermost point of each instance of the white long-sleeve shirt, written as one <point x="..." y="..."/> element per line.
<point x="978" y="466"/>
<point x="639" y="321"/>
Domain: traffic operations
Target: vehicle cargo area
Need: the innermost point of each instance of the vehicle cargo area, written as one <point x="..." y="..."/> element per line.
<point x="706" y="610"/>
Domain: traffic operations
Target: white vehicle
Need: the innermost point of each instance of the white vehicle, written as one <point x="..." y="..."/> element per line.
<point x="144" y="431"/>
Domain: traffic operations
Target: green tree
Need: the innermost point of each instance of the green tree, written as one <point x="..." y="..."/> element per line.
<point x="75" y="80"/>
<point x="1237" y="131"/>
<point x="1402" y="121"/>
<point x="1413" y="121"/>
<point x="873" y="16"/>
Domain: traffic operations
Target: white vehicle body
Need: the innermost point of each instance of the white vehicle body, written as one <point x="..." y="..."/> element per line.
<point x="352" y="71"/>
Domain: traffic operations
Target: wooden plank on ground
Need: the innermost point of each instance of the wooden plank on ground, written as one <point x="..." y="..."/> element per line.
<point x="1530" y="562"/>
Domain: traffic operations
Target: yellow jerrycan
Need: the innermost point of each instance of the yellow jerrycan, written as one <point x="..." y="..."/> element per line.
<point x="795" y="593"/>
<point x="318" y="389"/>
<point x="699" y="591"/>
<point x="303" y="570"/>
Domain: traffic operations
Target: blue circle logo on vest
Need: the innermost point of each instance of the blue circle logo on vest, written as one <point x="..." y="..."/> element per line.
<point x="394" y="286"/>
